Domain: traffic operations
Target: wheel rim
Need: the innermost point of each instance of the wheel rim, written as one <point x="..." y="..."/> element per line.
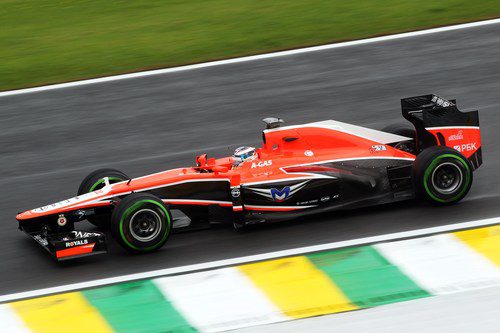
<point x="145" y="225"/>
<point x="447" y="178"/>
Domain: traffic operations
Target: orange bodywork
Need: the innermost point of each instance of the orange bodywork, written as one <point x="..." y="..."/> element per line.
<point x="287" y="153"/>
<point x="465" y="139"/>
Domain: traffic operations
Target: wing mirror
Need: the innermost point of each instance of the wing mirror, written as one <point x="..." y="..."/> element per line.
<point x="201" y="160"/>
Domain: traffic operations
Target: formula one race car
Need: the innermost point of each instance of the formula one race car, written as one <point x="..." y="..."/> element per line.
<point x="299" y="170"/>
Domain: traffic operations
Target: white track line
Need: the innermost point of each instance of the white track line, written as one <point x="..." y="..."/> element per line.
<point x="252" y="258"/>
<point x="251" y="58"/>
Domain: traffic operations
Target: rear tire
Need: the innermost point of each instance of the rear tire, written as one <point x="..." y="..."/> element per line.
<point x="442" y="175"/>
<point x="95" y="181"/>
<point x="141" y="223"/>
<point x="403" y="129"/>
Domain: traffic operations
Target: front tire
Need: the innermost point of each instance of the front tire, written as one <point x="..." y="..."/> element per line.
<point x="141" y="223"/>
<point x="442" y="175"/>
<point x="95" y="181"/>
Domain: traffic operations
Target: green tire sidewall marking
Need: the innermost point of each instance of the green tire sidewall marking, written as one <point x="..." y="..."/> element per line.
<point x="100" y="181"/>
<point x="132" y="208"/>
<point x="433" y="165"/>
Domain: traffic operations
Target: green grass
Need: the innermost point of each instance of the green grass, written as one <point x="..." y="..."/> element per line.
<point x="49" y="41"/>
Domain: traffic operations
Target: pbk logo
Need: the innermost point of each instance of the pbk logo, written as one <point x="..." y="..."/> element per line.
<point x="465" y="147"/>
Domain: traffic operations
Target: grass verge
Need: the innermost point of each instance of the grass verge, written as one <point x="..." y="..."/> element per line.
<point x="49" y="41"/>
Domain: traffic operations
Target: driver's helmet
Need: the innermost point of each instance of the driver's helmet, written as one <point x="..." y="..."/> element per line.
<point x="242" y="154"/>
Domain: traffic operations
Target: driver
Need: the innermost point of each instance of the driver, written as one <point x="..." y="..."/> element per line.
<point x="243" y="154"/>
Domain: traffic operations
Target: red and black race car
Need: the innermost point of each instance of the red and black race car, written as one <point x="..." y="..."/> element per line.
<point x="299" y="170"/>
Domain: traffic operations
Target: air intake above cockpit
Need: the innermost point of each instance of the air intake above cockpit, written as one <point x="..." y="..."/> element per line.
<point x="273" y="122"/>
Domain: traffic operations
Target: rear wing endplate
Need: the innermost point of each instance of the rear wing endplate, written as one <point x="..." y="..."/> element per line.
<point x="438" y="121"/>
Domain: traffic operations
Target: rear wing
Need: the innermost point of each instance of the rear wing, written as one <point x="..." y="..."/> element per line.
<point x="438" y="121"/>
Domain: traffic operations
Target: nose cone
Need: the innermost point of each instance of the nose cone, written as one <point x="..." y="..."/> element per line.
<point x="24" y="216"/>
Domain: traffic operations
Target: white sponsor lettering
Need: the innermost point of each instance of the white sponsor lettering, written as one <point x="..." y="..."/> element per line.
<point x="307" y="202"/>
<point x="456" y="137"/>
<point x="77" y="243"/>
<point x="442" y="102"/>
<point x="262" y="164"/>
<point x="465" y="147"/>
<point x="41" y="240"/>
<point x="71" y="201"/>
<point x="83" y="234"/>
<point x="377" y="148"/>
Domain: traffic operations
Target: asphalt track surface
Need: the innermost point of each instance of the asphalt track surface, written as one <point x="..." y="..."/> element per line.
<point x="50" y="140"/>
